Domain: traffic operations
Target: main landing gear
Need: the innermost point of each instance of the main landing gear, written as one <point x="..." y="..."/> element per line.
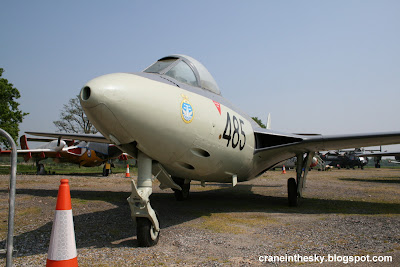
<point x="295" y="187"/>
<point x="147" y="225"/>
<point x="107" y="168"/>
<point x="183" y="194"/>
<point x="377" y="162"/>
<point x="40" y="168"/>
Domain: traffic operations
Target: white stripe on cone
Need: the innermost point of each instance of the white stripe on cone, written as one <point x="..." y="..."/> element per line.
<point x="62" y="241"/>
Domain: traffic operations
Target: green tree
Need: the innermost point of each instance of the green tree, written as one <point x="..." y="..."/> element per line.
<point x="259" y="122"/>
<point x="73" y="119"/>
<point x="10" y="115"/>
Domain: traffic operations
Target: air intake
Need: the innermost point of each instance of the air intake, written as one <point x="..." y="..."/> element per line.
<point x="85" y="93"/>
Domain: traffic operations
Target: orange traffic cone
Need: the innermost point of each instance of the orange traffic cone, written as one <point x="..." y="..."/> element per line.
<point x="283" y="170"/>
<point x="62" y="249"/>
<point x="127" y="175"/>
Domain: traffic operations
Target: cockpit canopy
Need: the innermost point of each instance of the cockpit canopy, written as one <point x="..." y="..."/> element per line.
<point x="187" y="70"/>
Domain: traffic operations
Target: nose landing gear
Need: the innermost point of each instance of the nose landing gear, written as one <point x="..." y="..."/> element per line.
<point x="147" y="225"/>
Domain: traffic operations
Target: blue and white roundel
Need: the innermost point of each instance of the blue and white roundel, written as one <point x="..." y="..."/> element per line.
<point x="186" y="111"/>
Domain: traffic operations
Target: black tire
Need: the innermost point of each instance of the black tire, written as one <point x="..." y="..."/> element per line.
<point x="147" y="236"/>
<point x="40" y="169"/>
<point x="292" y="193"/>
<point x="184" y="194"/>
<point x="106" y="172"/>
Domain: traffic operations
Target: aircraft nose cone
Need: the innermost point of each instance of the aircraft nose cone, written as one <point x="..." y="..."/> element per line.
<point x="103" y="100"/>
<point x="103" y="90"/>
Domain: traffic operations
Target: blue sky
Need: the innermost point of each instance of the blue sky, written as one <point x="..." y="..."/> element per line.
<point x="327" y="67"/>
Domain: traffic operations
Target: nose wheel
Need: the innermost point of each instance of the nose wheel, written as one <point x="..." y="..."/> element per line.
<point x="147" y="235"/>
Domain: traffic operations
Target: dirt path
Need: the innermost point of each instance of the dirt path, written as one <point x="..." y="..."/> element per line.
<point x="345" y="212"/>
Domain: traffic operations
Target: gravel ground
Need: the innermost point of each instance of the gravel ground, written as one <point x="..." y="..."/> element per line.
<point x="344" y="212"/>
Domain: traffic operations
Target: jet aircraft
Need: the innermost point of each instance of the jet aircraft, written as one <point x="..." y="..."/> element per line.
<point x="86" y="154"/>
<point x="174" y="120"/>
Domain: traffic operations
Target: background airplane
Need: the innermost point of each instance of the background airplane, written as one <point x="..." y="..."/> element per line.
<point x="86" y="154"/>
<point x="292" y="162"/>
<point x="345" y="159"/>
<point x="174" y="120"/>
<point x="378" y="157"/>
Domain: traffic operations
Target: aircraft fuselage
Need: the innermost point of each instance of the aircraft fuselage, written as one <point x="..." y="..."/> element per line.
<point x="194" y="134"/>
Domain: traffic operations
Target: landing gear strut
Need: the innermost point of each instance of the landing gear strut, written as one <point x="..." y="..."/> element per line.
<point x="40" y="169"/>
<point x="147" y="225"/>
<point x="295" y="187"/>
<point x="106" y="169"/>
<point x="378" y="162"/>
<point x="292" y="192"/>
<point x="183" y="194"/>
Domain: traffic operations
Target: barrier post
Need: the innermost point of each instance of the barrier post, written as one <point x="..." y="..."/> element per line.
<point x="11" y="206"/>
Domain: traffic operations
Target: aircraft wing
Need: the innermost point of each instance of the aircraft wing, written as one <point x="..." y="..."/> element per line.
<point x="5" y="152"/>
<point x="272" y="147"/>
<point x="333" y="142"/>
<point x="267" y="141"/>
<point x="380" y="154"/>
<point x="37" y="150"/>
<point x="83" y="137"/>
<point x="303" y="143"/>
<point x="32" y="153"/>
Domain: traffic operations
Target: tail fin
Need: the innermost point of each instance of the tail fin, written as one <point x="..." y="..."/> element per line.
<point x="269" y="122"/>
<point x="24" y="145"/>
<point x="24" y="142"/>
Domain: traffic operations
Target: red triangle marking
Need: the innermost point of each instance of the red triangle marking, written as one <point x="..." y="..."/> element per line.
<point x="218" y="106"/>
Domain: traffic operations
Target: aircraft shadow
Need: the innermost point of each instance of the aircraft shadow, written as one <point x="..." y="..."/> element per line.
<point x="393" y="180"/>
<point x="89" y="174"/>
<point x="117" y="228"/>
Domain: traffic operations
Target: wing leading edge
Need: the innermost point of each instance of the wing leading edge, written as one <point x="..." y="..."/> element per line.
<point x="305" y="143"/>
<point x="83" y="137"/>
<point x="380" y="154"/>
<point x="282" y="147"/>
<point x="332" y="142"/>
